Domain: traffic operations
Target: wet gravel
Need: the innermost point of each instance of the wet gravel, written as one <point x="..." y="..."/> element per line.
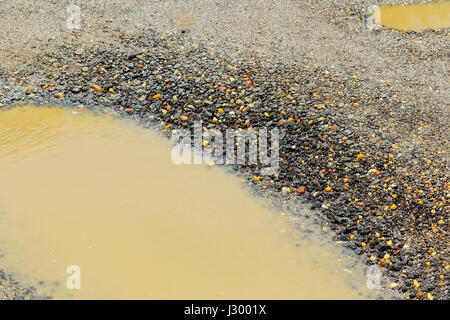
<point x="10" y="289"/>
<point x="367" y="152"/>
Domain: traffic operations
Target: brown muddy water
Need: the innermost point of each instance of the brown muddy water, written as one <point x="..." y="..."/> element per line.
<point x="414" y="17"/>
<point x="102" y="194"/>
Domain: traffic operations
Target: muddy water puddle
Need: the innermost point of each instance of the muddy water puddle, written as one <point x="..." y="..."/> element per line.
<point x="102" y="194"/>
<point x="414" y="17"/>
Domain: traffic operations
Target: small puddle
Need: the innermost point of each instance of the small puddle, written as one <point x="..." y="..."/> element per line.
<point x="101" y="193"/>
<point x="414" y="17"/>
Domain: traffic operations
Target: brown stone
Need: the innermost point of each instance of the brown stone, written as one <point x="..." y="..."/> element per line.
<point x="301" y="190"/>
